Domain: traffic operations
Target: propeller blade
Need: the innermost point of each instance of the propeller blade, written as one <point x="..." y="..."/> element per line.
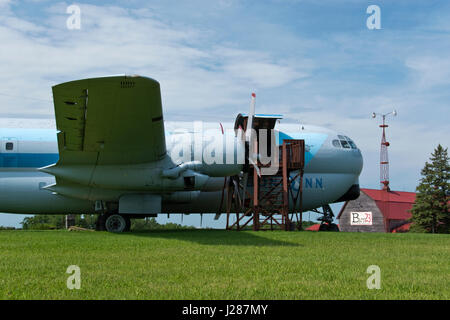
<point x="250" y="137"/>
<point x="251" y="114"/>
<point x="236" y="189"/>
<point x="258" y="171"/>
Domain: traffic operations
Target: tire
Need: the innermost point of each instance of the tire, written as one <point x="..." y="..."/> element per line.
<point x="116" y="223"/>
<point x="333" y="227"/>
<point x="323" y="227"/>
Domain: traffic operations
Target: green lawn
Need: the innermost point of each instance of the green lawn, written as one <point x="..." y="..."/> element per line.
<point x="216" y="264"/>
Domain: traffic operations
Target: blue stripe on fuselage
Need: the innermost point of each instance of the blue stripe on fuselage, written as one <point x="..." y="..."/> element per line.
<point x="27" y="160"/>
<point x="313" y="142"/>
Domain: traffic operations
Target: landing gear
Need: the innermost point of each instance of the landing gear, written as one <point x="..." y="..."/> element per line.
<point x="326" y="223"/>
<point x="100" y="223"/>
<point x="113" y="223"/>
<point x="329" y="227"/>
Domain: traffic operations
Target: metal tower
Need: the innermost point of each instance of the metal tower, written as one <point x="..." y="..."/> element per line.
<point x="384" y="159"/>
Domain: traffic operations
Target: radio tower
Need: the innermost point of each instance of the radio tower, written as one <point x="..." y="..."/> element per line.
<point x="384" y="159"/>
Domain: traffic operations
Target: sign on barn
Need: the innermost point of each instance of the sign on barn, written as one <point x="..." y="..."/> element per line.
<point x="361" y="218"/>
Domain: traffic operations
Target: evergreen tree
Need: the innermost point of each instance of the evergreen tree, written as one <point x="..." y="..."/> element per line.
<point x="431" y="211"/>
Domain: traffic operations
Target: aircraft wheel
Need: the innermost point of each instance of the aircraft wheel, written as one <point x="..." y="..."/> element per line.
<point x="116" y="223"/>
<point x="333" y="227"/>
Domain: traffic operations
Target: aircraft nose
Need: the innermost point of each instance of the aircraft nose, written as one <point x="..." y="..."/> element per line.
<point x="358" y="161"/>
<point x="353" y="157"/>
<point x="356" y="157"/>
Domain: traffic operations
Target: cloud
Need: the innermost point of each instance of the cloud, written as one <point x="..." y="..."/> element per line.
<point x="430" y="71"/>
<point x="193" y="72"/>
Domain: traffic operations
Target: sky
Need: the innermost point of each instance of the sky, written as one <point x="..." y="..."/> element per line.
<point x="315" y="62"/>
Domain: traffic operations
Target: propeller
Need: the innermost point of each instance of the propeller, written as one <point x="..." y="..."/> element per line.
<point x="249" y="133"/>
<point x="250" y="137"/>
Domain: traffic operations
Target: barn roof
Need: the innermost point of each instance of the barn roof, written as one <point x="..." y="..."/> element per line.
<point x="314" y="227"/>
<point x="393" y="196"/>
<point x="393" y="204"/>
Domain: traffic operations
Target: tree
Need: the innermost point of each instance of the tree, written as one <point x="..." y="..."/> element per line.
<point x="46" y="221"/>
<point x="43" y="222"/>
<point x="431" y="211"/>
<point x="151" y="224"/>
<point x="50" y="222"/>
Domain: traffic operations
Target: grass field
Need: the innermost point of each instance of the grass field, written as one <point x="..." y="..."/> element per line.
<point x="215" y="264"/>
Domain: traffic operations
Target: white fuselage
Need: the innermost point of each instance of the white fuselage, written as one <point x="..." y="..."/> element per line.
<point x="331" y="170"/>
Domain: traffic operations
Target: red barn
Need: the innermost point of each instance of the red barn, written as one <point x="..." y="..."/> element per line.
<point x="377" y="211"/>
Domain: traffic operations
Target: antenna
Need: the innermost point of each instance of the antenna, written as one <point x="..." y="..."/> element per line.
<point x="384" y="160"/>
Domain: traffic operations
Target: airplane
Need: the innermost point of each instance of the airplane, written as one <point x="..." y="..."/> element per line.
<point x="112" y="154"/>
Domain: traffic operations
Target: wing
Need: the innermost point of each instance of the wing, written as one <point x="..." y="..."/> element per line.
<point x="110" y="120"/>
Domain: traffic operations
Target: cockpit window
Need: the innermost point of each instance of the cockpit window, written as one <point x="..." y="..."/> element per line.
<point x="345" y="144"/>
<point x="336" y="143"/>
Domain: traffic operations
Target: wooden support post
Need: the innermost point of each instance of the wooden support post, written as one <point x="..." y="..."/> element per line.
<point x="228" y="223"/>
<point x="301" y="192"/>
<point x="227" y="186"/>
<point x="255" y="200"/>
<point x="285" y="207"/>
<point x="271" y="195"/>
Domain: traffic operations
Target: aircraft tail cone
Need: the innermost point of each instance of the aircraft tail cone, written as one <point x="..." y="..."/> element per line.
<point x="51" y="187"/>
<point x="51" y="169"/>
